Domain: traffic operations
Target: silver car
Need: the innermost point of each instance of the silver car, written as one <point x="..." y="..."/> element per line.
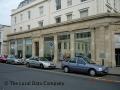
<point x="14" y="60"/>
<point x="40" y="62"/>
<point x="85" y="65"/>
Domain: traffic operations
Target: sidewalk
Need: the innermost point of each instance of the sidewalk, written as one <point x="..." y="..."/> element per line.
<point x="58" y="65"/>
<point x="114" y="71"/>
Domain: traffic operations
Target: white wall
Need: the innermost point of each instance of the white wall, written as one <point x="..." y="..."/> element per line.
<point x="50" y="12"/>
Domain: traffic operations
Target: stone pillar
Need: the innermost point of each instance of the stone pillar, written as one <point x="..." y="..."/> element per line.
<point x="55" y="49"/>
<point x="33" y="48"/>
<point x="9" y="47"/>
<point x="24" y="48"/>
<point x="72" y="44"/>
<point x="41" y="46"/>
<point x="93" y="45"/>
<point x="16" y="47"/>
<point x="110" y="45"/>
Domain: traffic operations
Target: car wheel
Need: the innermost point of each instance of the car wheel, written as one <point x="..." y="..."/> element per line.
<point x="92" y="72"/>
<point x="41" y="66"/>
<point x="66" y="69"/>
<point x="27" y="64"/>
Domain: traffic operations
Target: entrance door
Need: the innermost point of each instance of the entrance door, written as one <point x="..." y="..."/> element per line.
<point x="36" y="48"/>
<point x="117" y="56"/>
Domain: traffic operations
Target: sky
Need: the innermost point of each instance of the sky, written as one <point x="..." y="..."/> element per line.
<point x="5" y="10"/>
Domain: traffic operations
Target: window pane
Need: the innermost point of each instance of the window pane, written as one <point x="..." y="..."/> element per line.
<point x="69" y="17"/>
<point x="83" y="13"/>
<point x="58" y="4"/>
<point x="69" y="2"/>
<point x="41" y="10"/>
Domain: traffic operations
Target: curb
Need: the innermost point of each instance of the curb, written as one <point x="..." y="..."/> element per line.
<point x="114" y="74"/>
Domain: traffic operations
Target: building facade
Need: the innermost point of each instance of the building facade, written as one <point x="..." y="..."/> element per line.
<point x="37" y="13"/>
<point x="4" y="30"/>
<point x="66" y="28"/>
<point x="95" y="36"/>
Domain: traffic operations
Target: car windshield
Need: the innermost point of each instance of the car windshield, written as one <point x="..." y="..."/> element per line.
<point x="88" y="60"/>
<point x="43" y="59"/>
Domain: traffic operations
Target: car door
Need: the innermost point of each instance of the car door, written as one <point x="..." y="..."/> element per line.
<point x="11" y="59"/>
<point x="36" y="62"/>
<point x="31" y="61"/>
<point x="81" y="65"/>
<point x="72" y="64"/>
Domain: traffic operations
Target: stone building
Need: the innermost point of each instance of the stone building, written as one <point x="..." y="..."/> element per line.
<point x="96" y="36"/>
<point x="37" y="13"/>
<point x="4" y="30"/>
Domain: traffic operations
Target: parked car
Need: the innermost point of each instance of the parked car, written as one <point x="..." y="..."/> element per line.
<point x="84" y="65"/>
<point x="3" y="59"/>
<point x="39" y="62"/>
<point x="14" y="60"/>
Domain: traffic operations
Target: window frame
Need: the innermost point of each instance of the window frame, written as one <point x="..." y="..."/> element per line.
<point x="58" y="17"/>
<point x="41" y="10"/>
<point x="69" y="2"/>
<point x="58" y="4"/>
<point x="82" y="11"/>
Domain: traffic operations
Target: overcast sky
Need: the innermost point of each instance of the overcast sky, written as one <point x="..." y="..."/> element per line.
<point x="5" y="10"/>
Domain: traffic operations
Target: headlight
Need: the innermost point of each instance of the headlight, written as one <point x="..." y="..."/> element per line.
<point x="99" y="69"/>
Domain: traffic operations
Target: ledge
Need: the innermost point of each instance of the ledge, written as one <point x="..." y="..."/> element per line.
<point x="89" y="18"/>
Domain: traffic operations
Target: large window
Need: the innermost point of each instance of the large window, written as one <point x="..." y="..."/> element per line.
<point x="58" y="4"/>
<point x="28" y="47"/>
<point x="64" y="45"/>
<point x="49" y="47"/>
<point x="84" y="12"/>
<point x="12" y="47"/>
<point x="83" y="43"/>
<point x="20" y="48"/>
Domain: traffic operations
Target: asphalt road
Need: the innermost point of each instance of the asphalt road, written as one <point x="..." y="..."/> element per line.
<point x="13" y="77"/>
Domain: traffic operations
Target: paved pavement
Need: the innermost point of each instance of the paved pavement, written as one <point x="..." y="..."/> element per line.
<point x="19" y="77"/>
<point x="114" y="71"/>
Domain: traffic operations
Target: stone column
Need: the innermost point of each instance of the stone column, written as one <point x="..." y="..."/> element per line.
<point x="93" y="45"/>
<point x="41" y="46"/>
<point x="55" y="49"/>
<point x="110" y="45"/>
<point x="24" y="48"/>
<point x="33" y="48"/>
<point x="16" y="47"/>
<point x="72" y="44"/>
<point x="9" y="47"/>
